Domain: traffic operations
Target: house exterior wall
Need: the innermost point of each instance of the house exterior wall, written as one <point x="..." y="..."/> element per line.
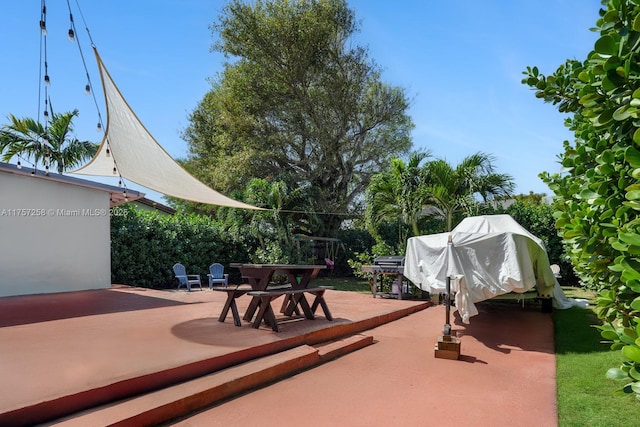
<point x="53" y="237"/>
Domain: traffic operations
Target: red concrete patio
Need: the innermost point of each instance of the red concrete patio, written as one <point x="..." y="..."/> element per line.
<point x="132" y="356"/>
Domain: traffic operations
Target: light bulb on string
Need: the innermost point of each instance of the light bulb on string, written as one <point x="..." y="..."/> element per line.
<point x="115" y="171"/>
<point x="47" y="81"/>
<point x="71" y="35"/>
<point x="99" y="127"/>
<point x="43" y="28"/>
<point x="46" y="114"/>
<point x="19" y="165"/>
<point x="108" y="152"/>
<point x="87" y="89"/>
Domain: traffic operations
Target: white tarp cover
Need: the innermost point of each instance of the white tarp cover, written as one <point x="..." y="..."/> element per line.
<point x="140" y="159"/>
<point x="485" y="256"/>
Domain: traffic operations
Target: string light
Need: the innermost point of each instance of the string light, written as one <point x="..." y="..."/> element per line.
<point x="115" y="171"/>
<point x="108" y="152"/>
<point x="99" y="127"/>
<point x="87" y="89"/>
<point x="47" y="81"/>
<point x="19" y="165"/>
<point x="43" y="28"/>
<point x="71" y="35"/>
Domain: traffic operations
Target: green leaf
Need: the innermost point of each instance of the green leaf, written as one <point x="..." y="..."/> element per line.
<point x="622" y="113"/>
<point x="635" y="304"/>
<point x="634" y="285"/>
<point x="636" y="23"/>
<point x="631" y="352"/>
<point x="588" y="194"/>
<point x="616" y="374"/>
<point x="606" y="45"/>
<point x="631" y="154"/>
<point x="621" y="392"/>
<point x="584" y="76"/>
<point x="609" y="335"/>
<point x="630" y="238"/>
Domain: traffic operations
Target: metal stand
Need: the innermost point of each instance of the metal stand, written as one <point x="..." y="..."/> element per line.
<point x="448" y="345"/>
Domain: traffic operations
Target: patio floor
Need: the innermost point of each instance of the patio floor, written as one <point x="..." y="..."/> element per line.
<point x="63" y="354"/>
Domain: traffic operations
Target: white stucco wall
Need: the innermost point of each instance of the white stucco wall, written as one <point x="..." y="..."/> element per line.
<point x="54" y="237"/>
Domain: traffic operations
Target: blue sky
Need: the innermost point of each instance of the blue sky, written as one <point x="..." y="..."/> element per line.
<point x="460" y="62"/>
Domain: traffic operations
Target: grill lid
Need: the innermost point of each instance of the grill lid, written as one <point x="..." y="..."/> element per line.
<point x="396" y="260"/>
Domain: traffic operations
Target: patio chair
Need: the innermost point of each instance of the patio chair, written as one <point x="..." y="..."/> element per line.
<point x="185" y="279"/>
<point x="217" y="275"/>
<point x="555" y="268"/>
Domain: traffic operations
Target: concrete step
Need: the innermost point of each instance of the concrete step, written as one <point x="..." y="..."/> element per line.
<point x="334" y="349"/>
<point x="185" y="398"/>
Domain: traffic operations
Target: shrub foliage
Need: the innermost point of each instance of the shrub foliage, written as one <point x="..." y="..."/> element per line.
<point x="145" y="245"/>
<point x="598" y="198"/>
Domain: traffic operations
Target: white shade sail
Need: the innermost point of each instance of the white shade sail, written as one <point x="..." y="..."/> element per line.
<point x="137" y="156"/>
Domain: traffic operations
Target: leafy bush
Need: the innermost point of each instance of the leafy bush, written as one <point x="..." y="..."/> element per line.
<point x="145" y="245"/>
<point x="598" y="198"/>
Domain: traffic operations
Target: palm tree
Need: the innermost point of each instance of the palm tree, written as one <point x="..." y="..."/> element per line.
<point x="286" y="214"/>
<point x="397" y="193"/>
<point x="451" y="191"/>
<point x="51" y="145"/>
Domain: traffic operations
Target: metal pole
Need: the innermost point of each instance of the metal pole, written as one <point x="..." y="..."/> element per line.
<point x="447" y="297"/>
<point x="447" y="325"/>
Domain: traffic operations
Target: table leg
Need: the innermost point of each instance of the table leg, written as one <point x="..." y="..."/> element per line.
<point x="230" y="303"/>
<point x="251" y="309"/>
<point x="266" y="313"/>
<point x="319" y="300"/>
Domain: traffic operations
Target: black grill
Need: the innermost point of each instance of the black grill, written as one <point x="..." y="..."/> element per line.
<point x="387" y="265"/>
<point x="389" y="261"/>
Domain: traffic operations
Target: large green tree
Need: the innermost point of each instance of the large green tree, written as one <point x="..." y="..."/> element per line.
<point x="51" y="144"/>
<point x="598" y="198"/>
<point x="297" y="98"/>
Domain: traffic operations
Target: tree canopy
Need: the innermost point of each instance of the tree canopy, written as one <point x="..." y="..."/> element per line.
<point x="297" y="102"/>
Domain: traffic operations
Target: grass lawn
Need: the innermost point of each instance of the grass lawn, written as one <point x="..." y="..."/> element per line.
<point x="344" y="283"/>
<point x="585" y="396"/>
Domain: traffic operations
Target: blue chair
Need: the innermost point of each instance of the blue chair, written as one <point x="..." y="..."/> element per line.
<point x="185" y="279"/>
<point x="217" y="275"/>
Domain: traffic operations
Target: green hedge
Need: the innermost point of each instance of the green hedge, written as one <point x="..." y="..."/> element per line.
<point x="145" y="246"/>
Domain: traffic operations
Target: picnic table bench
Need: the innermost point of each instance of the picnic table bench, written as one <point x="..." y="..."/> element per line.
<point x="293" y="299"/>
<point x="263" y="292"/>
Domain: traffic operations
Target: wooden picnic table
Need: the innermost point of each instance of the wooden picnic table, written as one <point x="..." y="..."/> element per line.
<point x="298" y="275"/>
